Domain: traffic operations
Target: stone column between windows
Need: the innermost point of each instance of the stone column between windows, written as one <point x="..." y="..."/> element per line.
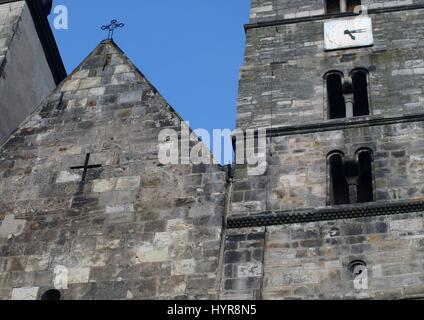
<point x="349" y="105"/>
<point x="343" y="6"/>
<point x="353" y="189"/>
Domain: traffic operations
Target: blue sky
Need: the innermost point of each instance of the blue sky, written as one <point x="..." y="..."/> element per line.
<point x="191" y="50"/>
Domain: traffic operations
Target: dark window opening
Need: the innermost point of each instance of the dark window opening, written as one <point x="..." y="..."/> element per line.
<point x="351" y="181"/>
<point x="350" y="169"/>
<point x="360" y="93"/>
<point x="336" y="101"/>
<point x="338" y="183"/>
<point x="351" y="174"/>
<point x="51" y="295"/>
<point x="347" y="98"/>
<point x="365" y="178"/>
<point x="351" y="4"/>
<point x="332" y="6"/>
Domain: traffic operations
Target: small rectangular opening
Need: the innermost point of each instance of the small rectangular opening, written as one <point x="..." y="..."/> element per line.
<point x="332" y="6"/>
<point x="351" y="4"/>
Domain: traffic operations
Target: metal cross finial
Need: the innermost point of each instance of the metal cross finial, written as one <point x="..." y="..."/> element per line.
<point x="114" y="24"/>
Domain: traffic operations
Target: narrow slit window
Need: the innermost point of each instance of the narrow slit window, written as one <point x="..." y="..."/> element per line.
<point x="339" y="189"/>
<point x="336" y="101"/>
<point x="365" y="181"/>
<point x="332" y="6"/>
<point x="360" y="93"/>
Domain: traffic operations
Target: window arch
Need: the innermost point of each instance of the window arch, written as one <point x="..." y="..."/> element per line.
<point x="350" y="179"/>
<point x="347" y="97"/>
<point x="336" y="101"/>
<point x="360" y="92"/>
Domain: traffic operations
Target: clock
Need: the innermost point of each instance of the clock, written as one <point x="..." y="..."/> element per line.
<point x="348" y="33"/>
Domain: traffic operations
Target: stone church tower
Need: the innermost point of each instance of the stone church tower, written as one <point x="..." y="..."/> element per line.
<point x="30" y="63"/>
<point x="341" y="96"/>
<point x="87" y="211"/>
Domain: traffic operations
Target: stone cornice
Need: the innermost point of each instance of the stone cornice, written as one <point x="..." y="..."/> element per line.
<point x="328" y="16"/>
<point x="334" y="125"/>
<point x="325" y="214"/>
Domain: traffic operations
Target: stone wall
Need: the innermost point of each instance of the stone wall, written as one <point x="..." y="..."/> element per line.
<point x="310" y="260"/>
<point x="269" y="10"/>
<point x="297" y="174"/>
<point x="285" y="241"/>
<point x="133" y="228"/>
<point x="243" y="264"/>
<point x="136" y="229"/>
<point x="282" y="82"/>
<point x="9" y="18"/>
<point x="26" y="78"/>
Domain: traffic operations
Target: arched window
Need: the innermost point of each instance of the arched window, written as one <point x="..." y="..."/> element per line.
<point x="336" y="101"/>
<point x="347" y="97"/>
<point x="365" y="160"/>
<point x="351" y="180"/>
<point x="339" y="189"/>
<point x="360" y="92"/>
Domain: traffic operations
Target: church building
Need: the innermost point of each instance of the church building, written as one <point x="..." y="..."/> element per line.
<point x="88" y="212"/>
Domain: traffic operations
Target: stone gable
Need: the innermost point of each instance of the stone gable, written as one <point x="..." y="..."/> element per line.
<point x="135" y="228"/>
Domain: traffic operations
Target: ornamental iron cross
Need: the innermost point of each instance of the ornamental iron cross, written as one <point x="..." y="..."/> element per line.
<point x="114" y="24"/>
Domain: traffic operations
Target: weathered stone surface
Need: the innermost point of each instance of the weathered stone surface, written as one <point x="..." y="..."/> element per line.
<point x="137" y="229"/>
<point x="79" y="275"/>
<point x="282" y="77"/>
<point x="267" y="10"/>
<point x="23" y="67"/>
<point x="104" y="185"/>
<point x="24" y="294"/>
<point x="133" y="229"/>
<point x="11" y="227"/>
<point x="282" y="89"/>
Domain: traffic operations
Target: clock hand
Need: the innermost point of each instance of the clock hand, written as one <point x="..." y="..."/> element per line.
<point x="348" y="32"/>
<point x="358" y="31"/>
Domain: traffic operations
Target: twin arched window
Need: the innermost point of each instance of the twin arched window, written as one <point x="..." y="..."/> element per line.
<point x="347" y="97"/>
<point x="351" y="180"/>
<point x="340" y="6"/>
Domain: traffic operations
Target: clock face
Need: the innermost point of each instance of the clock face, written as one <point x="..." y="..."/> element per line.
<point x="348" y="33"/>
